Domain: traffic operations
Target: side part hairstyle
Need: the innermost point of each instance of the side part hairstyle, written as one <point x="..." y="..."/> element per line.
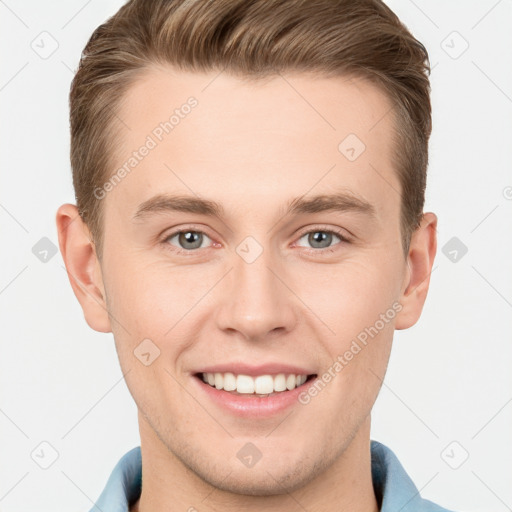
<point x="251" y="39"/>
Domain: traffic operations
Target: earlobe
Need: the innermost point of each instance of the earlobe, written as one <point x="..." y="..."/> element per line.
<point x="420" y="259"/>
<point x="82" y="266"/>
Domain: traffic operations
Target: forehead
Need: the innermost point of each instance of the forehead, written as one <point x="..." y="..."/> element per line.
<point x="215" y="134"/>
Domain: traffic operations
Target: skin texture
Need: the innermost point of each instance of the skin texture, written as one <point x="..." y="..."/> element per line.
<point x="252" y="147"/>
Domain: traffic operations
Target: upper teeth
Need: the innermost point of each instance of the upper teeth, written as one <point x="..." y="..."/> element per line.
<point x="262" y="384"/>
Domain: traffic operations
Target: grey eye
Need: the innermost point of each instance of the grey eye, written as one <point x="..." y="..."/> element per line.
<point x="188" y="240"/>
<point x="320" y="239"/>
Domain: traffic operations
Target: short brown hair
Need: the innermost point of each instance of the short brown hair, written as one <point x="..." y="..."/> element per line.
<point x="251" y="38"/>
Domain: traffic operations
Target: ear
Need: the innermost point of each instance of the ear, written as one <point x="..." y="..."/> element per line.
<point x="83" y="267"/>
<point x="420" y="258"/>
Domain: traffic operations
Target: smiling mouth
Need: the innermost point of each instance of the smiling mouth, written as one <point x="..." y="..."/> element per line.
<point x="261" y="385"/>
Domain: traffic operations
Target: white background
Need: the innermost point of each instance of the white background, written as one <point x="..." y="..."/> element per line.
<point x="449" y="377"/>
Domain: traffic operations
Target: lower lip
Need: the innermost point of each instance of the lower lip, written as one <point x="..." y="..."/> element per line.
<point x="253" y="406"/>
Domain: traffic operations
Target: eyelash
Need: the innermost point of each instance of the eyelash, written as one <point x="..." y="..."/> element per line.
<point x="193" y="252"/>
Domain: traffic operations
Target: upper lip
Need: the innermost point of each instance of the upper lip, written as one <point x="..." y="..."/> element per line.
<point x="262" y="369"/>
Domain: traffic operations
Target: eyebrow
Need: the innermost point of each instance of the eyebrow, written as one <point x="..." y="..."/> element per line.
<point x="338" y="202"/>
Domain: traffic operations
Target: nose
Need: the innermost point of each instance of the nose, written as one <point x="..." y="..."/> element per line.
<point x="257" y="302"/>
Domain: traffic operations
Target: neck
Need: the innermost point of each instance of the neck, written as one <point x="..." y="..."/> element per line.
<point x="169" y="485"/>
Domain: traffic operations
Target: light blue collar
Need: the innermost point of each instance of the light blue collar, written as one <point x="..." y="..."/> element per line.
<point x="394" y="490"/>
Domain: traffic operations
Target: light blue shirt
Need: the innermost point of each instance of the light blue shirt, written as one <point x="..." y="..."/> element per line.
<point x="394" y="490"/>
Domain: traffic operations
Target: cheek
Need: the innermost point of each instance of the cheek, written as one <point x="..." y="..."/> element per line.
<point x="358" y="302"/>
<point x="164" y="304"/>
<point x="352" y="378"/>
<point x="152" y="309"/>
<point x="152" y="297"/>
<point x="349" y="296"/>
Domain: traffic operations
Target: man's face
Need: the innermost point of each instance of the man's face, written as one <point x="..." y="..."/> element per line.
<point x="255" y="285"/>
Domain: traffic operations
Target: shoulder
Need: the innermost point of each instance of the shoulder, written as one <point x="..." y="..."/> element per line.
<point x="124" y="484"/>
<point x="393" y="487"/>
